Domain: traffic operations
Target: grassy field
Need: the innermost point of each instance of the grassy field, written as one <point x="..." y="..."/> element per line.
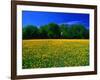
<point x="48" y="53"/>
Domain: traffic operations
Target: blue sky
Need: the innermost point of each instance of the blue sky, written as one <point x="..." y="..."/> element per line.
<point x="41" y="18"/>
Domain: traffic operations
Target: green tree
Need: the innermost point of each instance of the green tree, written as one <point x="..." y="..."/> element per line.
<point x="30" y="32"/>
<point x="53" y="30"/>
<point x="86" y="34"/>
<point x="77" y="31"/>
<point x="64" y="31"/>
<point x="43" y="31"/>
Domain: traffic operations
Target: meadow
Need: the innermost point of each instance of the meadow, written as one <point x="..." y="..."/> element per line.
<point x="46" y="53"/>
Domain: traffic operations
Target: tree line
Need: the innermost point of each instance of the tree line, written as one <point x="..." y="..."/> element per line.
<point x="55" y="31"/>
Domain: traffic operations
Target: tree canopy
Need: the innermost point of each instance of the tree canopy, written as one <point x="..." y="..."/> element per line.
<point x="55" y="31"/>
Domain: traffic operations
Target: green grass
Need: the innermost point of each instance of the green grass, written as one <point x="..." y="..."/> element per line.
<point x="48" y="53"/>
